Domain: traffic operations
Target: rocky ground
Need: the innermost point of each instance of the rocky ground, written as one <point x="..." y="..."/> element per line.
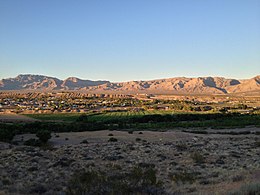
<point x="185" y="163"/>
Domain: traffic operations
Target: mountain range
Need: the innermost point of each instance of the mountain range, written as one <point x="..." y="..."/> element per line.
<point x="177" y="85"/>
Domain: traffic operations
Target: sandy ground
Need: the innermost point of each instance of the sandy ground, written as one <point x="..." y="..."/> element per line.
<point x="103" y="136"/>
<point x="230" y="161"/>
<point x="15" y="118"/>
<point x="67" y="138"/>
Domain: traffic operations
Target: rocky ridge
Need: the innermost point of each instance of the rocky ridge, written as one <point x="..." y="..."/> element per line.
<point x="181" y="85"/>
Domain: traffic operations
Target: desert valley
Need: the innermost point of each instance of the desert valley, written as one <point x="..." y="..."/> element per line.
<point x="130" y="97"/>
<point x="165" y="136"/>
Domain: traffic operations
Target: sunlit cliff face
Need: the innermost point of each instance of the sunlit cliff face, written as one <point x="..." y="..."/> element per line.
<point x="208" y="85"/>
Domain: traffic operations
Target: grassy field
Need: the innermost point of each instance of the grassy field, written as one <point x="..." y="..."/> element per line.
<point x="70" y="117"/>
<point x="102" y="116"/>
<point x="152" y="119"/>
<point x="129" y="121"/>
<point x="111" y="116"/>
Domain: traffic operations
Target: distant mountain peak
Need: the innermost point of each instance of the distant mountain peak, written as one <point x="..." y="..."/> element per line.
<point x="178" y="85"/>
<point x="73" y="79"/>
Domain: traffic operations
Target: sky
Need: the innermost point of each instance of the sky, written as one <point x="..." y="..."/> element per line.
<point x="130" y="40"/>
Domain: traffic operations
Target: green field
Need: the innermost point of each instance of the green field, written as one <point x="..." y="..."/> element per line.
<point x="111" y="116"/>
<point x="70" y="117"/>
<point x="151" y="119"/>
<point x="147" y="120"/>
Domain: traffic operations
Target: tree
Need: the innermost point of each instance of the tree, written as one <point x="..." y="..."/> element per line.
<point x="6" y="135"/>
<point x="43" y="135"/>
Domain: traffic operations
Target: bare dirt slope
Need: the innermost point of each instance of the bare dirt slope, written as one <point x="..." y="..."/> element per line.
<point x="15" y="118"/>
<point x="185" y="163"/>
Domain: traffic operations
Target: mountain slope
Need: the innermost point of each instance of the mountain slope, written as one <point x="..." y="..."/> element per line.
<point x="41" y="82"/>
<point x="74" y="83"/>
<point x="246" y="85"/>
<point x="182" y="85"/>
<point x="28" y="81"/>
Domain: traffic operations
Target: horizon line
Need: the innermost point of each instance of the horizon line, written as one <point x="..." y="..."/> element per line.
<point x="39" y="74"/>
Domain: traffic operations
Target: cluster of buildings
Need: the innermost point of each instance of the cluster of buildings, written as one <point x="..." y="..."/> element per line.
<point x="61" y="102"/>
<point x="73" y="102"/>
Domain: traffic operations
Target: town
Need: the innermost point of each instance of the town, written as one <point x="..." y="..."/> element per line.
<point x="74" y="102"/>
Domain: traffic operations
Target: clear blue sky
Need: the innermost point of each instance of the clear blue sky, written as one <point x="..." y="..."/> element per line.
<point x="121" y="40"/>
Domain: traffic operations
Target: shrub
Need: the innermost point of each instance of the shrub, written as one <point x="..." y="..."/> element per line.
<point x="112" y="139"/>
<point x="82" y="117"/>
<point x="43" y="135"/>
<point x="144" y="176"/>
<point x="183" y="177"/>
<point x="257" y="143"/>
<point x="6" y="181"/>
<point x="138" y="139"/>
<point x="237" y="178"/>
<point x="197" y="157"/>
<point x="110" y="134"/>
<point x="85" y="183"/>
<point x="136" y="181"/>
<point x="130" y="132"/>
<point x="196" y="131"/>
<point x="6" y="135"/>
<point x="15" y="142"/>
<point x="181" y="146"/>
<point x="84" y="141"/>
<point x="33" y="142"/>
<point x="248" y="189"/>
